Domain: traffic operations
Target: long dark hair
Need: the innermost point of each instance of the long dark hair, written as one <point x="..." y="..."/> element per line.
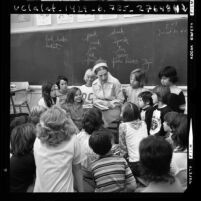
<point x="71" y="94"/>
<point x="46" y="90"/>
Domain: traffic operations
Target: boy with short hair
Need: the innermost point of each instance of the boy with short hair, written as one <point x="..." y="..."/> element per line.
<point x="111" y="173"/>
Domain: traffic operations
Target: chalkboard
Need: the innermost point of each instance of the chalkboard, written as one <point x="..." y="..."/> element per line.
<point x="39" y="56"/>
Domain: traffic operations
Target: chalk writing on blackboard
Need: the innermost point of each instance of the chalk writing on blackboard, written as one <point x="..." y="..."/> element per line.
<point x="94" y="44"/>
<point x="171" y="28"/>
<point x="90" y="35"/>
<point x="55" y="41"/>
<point x="117" y="31"/>
<point x="124" y="40"/>
<point x="146" y="64"/>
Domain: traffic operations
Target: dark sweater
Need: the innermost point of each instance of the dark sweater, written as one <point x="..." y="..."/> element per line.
<point x="157" y="121"/>
<point x="22" y="172"/>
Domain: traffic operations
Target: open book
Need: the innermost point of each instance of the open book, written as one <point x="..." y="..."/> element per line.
<point x="101" y="107"/>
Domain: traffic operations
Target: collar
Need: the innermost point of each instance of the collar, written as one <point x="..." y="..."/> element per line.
<point x="145" y="107"/>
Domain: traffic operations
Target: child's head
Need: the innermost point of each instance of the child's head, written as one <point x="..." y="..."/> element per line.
<point x="168" y="75"/>
<point x="74" y="95"/>
<point x="155" y="158"/>
<point x="137" y="78"/>
<point x="62" y="83"/>
<point x="145" y="98"/>
<point x="22" y="139"/>
<point x="89" y="77"/>
<point x="54" y="127"/>
<point x="180" y="131"/>
<point x="48" y="92"/>
<point x="18" y="120"/>
<point x="92" y="120"/>
<point x="129" y="112"/>
<point x="162" y="93"/>
<point x="101" y="141"/>
<point x="100" y="69"/>
<point x="36" y="111"/>
<point x="168" y="118"/>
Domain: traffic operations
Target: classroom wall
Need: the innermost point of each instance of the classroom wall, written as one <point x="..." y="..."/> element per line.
<point x="22" y="23"/>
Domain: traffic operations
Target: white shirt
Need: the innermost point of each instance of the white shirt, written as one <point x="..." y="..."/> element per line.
<point x="54" y="165"/>
<point x="87" y="94"/>
<point x="42" y="103"/>
<point x="179" y="164"/>
<point x="133" y="135"/>
<point x="88" y="156"/>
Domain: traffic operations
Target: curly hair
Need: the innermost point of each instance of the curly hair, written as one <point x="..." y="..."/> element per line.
<point x="155" y="159"/>
<point x="55" y="127"/>
<point x="22" y="139"/>
<point x="92" y="120"/>
<point x="35" y="113"/>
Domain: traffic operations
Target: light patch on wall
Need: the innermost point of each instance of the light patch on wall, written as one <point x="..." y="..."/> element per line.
<point x="43" y="19"/>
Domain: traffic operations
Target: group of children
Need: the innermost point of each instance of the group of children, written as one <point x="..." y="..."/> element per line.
<point x="64" y="144"/>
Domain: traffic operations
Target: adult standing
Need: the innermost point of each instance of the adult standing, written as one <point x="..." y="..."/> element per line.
<point x="107" y="91"/>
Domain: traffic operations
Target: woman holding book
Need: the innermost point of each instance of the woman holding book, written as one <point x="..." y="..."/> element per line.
<point x="107" y="91"/>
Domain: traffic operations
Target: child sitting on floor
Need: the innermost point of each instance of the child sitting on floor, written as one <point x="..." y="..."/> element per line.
<point x="145" y="104"/>
<point x="155" y="158"/>
<point x="111" y="173"/>
<point x="22" y="164"/>
<point x="162" y="93"/>
<point x="74" y="106"/>
<point x="131" y="131"/>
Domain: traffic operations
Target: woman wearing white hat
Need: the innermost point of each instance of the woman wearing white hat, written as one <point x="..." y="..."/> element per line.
<point x="108" y="94"/>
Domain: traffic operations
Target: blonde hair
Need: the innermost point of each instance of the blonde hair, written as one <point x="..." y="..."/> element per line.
<point x="37" y="110"/>
<point x="55" y="127"/>
<point x="90" y="72"/>
<point x="139" y="76"/>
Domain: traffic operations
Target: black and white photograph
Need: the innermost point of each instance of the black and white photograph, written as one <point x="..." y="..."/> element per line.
<point x="100" y="101"/>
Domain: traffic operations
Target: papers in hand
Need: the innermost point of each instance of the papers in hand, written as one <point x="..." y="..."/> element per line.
<point x="101" y="107"/>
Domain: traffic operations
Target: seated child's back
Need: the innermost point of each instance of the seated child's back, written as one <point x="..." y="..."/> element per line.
<point x="111" y="173"/>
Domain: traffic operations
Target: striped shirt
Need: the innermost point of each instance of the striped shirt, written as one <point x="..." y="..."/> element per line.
<point x="111" y="174"/>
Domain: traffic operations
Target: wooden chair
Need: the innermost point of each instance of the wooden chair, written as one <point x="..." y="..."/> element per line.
<point x="21" y="97"/>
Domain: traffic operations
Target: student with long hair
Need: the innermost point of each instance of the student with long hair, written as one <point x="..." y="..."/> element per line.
<point x="73" y="106"/>
<point x="180" y="138"/>
<point x="48" y="95"/>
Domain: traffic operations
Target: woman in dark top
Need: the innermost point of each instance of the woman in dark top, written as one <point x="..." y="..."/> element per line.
<point x="22" y="164"/>
<point x="176" y="100"/>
